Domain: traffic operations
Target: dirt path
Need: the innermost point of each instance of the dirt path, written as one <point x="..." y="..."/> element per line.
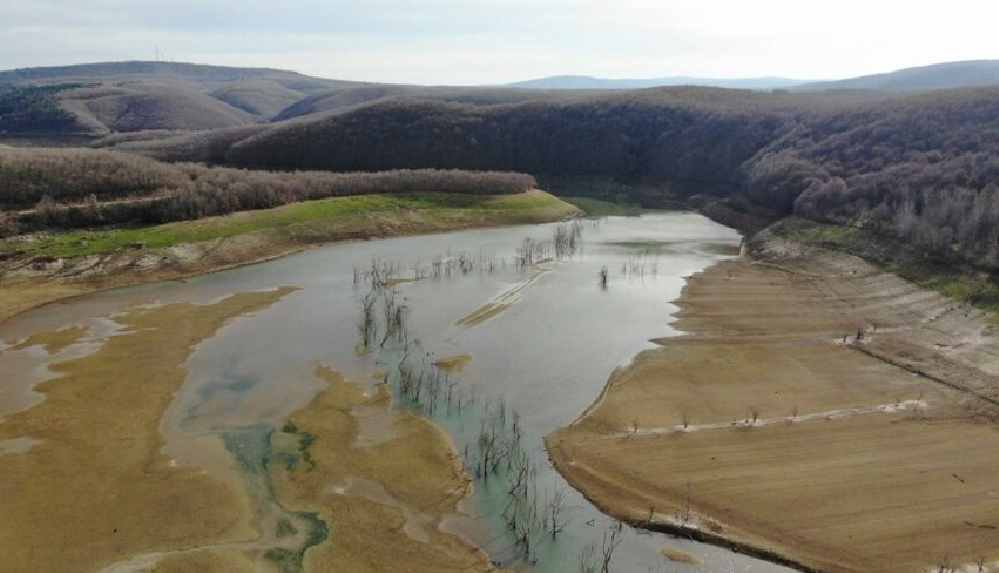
<point x="763" y="429"/>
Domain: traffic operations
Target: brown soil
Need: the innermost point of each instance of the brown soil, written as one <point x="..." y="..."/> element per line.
<point x="94" y="488"/>
<point x="762" y="429"/>
<point x="383" y="501"/>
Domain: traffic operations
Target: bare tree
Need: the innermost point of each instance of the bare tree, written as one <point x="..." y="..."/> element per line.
<point x="611" y="540"/>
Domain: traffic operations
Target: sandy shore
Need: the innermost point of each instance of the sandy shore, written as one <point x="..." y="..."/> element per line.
<point x="762" y="429"/>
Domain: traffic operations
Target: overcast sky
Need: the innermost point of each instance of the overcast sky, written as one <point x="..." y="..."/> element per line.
<point x="496" y="41"/>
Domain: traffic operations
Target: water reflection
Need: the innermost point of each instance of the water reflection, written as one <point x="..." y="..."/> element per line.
<point x="539" y="332"/>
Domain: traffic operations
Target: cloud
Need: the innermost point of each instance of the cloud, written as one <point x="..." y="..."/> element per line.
<point x="491" y="41"/>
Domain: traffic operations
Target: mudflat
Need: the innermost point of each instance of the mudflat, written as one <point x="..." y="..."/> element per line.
<point x="772" y="427"/>
<point x="94" y="487"/>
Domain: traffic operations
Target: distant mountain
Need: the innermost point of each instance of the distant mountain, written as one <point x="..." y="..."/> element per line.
<point x="972" y="73"/>
<point x="592" y="83"/>
<point x="112" y="97"/>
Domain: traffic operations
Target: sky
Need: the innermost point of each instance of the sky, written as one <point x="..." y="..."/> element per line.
<point x="470" y="42"/>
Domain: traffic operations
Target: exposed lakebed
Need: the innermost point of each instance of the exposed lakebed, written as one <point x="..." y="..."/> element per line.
<point x="541" y="339"/>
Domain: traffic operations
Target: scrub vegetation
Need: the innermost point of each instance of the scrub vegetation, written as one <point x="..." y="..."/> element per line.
<point x="84" y="188"/>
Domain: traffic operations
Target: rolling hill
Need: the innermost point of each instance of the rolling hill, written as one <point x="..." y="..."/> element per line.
<point x="116" y="98"/>
<point x="102" y="99"/>
<point x="98" y="99"/>
<point x="593" y="83"/>
<point x="921" y="167"/>
<point x="978" y="73"/>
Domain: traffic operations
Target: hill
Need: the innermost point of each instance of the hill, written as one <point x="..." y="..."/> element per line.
<point x="920" y="168"/>
<point x="203" y="75"/>
<point x="348" y="99"/>
<point x="102" y="99"/>
<point x="593" y="83"/>
<point x="112" y="97"/>
<point x="937" y="76"/>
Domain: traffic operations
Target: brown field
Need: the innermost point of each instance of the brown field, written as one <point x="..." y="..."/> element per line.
<point x="760" y="427"/>
<point x="95" y="488"/>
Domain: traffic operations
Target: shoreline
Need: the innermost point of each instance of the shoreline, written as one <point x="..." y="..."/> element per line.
<point x="120" y="269"/>
<point x="588" y="452"/>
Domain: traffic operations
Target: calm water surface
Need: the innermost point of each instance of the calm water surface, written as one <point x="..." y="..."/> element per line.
<point x="547" y="356"/>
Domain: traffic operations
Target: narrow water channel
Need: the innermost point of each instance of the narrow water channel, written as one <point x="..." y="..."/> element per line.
<point x="539" y="339"/>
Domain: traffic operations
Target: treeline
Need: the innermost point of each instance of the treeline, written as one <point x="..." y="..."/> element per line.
<point x="84" y="188"/>
<point x="917" y="167"/>
<point x="35" y="109"/>
<point x="924" y="169"/>
<point x="71" y="175"/>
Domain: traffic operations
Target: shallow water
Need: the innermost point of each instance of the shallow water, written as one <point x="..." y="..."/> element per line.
<point x="546" y="348"/>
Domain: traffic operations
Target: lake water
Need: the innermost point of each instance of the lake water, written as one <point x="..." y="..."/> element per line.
<point x="551" y="336"/>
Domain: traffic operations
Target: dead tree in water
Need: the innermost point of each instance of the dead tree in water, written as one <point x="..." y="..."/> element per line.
<point x="586" y="560"/>
<point x="554" y="521"/>
<point x="367" y="325"/>
<point x="612" y="539"/>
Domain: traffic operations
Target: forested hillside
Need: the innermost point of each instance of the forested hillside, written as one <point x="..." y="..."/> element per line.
<point x="922" y="167"/>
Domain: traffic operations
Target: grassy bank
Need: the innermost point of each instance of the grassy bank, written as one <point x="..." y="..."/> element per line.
<point x="600" y="208"/>
<point x="950" y="278"/>
<point x="49" y="267"/>
<point x="302" y="221"/>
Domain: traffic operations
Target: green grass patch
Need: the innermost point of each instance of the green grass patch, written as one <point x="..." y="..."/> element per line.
<point x="600" y="208"/>
<point x="308" y="221"/>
